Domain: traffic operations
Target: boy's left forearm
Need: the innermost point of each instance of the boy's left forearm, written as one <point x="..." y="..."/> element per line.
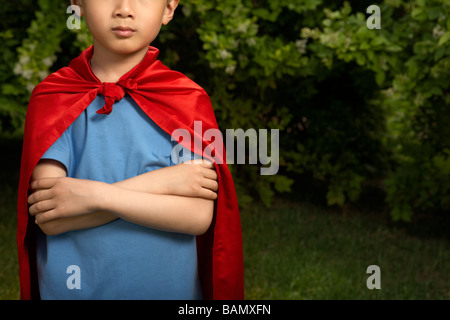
<point x="162" y="212"/>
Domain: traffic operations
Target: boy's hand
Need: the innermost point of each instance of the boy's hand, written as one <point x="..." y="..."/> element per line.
<point x="194" y="178"/>
<point x="54" y="198"/>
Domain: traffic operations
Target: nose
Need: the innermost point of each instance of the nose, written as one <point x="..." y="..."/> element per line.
<point x="124" y="9"/>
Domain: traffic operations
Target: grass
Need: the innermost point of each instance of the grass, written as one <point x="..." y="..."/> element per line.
<point x="9" y="279"/>
<point x="302" y="251"/>
<point x="298" y="249"/>
<point x="9" y="179"/>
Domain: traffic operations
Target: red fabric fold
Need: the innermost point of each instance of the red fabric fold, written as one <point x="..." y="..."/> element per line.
<point x="172" y="101"/>
<point x="112" y="93"/>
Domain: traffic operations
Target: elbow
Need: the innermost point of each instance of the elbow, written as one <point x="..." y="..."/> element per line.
<point x="201" y="228"/>
<point x="50" y="228"/>
<point x="203" y="219"/>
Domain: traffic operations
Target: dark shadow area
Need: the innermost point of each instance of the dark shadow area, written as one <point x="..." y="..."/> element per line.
<point x="371" y="203"/>
<point x="10" y="160"/>
<point x="426" y="225"/>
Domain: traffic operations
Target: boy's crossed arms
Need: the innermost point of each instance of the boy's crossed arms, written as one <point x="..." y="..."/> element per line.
<point x="178" y="198"/>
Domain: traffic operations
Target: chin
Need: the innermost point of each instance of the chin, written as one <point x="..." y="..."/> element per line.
<point x="127" y="50"/>
<point x="124" y="46"/>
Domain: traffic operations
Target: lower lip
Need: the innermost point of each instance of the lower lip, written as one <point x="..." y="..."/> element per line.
<point x="123" y="33"/>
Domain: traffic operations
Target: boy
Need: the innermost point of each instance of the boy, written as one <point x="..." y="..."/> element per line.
<point x="103" y="211"/>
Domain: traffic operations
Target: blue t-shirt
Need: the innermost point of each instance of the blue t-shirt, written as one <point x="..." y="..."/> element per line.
<point x="118" y="260"/>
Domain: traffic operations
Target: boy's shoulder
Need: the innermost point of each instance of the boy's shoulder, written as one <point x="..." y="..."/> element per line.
<point x="56" y="81"/>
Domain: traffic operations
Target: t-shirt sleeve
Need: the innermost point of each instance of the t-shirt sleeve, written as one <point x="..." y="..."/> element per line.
<point x="59" y="151"/>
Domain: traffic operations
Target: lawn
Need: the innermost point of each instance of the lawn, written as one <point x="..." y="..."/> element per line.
<point x="9" y="179"/>
<point x="300" y="249"/>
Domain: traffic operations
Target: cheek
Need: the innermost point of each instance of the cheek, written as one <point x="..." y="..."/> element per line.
<point x="96" y="17"/>
<point x="98" y="29"/>
<point x="93" y="25"/>
<point x="151" y="26"/>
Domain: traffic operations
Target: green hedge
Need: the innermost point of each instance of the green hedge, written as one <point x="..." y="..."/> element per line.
<point x="353" y="105"/>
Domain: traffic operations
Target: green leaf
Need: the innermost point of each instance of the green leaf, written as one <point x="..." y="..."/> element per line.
<point x="335" y="197"/>
<point x="378" y="41"/>
<point x="9" y="89"/>
<point x="326" y="22"/>
<point x="380" y="77"/>
<point x="393" y="48"/>
<point x="413" y="67"/>
<point x="418" y="14"/>
<point x="283" y="184"/>
<point x="433" y="13"/>
<point x="402" y="212"/>
<point x="439" y="53"/>
<point x="444" y="38"/>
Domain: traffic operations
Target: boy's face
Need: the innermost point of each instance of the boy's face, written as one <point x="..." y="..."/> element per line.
<point x="125" y="26"/>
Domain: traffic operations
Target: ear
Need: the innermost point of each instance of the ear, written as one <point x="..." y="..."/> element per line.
<point x="78" y="3"/>
<point x="169" y="11"/>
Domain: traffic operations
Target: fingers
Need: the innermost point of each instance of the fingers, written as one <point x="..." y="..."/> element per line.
<point x="210" y="174"/>
<point x="204" y="162"/>
<point x="44" y="183"/>
<point x="210" y="177"/>
<point x="210" y="169"/>
<point x="40" y="195"/>
<point x="207" y="194"/>
<point x="210" y="185"/>
<point x="41" y="207"/>
<point x="205" y="185"/>
<point x="208" y="164"/>
<point x="44" y="217"/>
<point x="40" y="202"/>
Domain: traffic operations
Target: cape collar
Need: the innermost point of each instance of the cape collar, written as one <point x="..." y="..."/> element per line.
<point x="112" y="92"/>
<point x="82" y="64"/>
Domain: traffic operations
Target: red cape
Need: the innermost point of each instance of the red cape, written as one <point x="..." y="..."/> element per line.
<point x="172" y="101"/>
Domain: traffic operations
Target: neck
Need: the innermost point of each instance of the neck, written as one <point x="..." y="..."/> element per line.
<point x="109" y="66"/>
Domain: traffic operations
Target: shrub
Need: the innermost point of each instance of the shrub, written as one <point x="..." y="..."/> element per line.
<point x="352" y="104"/>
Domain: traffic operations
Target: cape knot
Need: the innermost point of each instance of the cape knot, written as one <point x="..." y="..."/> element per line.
<point x="114" y="92"/>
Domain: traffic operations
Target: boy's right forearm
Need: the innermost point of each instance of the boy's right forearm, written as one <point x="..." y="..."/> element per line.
<point x="86" y="221"/>
<point x="143" y="183"/>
